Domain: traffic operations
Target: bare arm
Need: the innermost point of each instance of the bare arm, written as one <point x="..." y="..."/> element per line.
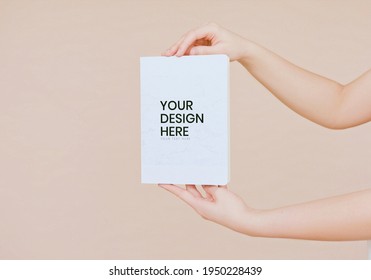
<point x="316" y="98"/>
<point x="339" y="218"/>
<point x="345" y="217"/>
<point x="321" y="100"/>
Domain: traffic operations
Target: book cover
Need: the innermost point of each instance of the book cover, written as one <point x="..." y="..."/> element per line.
<point x="185" y="119"/>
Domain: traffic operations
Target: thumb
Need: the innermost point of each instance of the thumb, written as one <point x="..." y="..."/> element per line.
<point x="202" y="50"/>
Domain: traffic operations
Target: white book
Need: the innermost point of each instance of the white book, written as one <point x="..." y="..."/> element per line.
<point x="185" y="119"/>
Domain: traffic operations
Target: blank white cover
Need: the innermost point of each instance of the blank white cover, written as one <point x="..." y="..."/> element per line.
<point x="204" y="157"/>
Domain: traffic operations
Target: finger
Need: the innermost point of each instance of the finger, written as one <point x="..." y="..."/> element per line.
<point x="174" y="48"/>
<point x="181" y="193"/>
<point x="164" y="53"/>
<point x="210" y="191"/>
<point x="177" y="190"/>
<point x="194" y="35"/>
<point x="210" y="188"/>
<point x="187" y="52"/>
<point x="200" y="42"/>
<point x="193" y="190"/>
<point x="202" y="50"/>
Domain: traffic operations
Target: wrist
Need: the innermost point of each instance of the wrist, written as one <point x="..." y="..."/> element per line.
<point x="249" y="52"/>
<point x="254" y="224"/>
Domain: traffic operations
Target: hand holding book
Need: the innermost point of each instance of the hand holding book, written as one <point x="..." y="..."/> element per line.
<point x="209" y="39"/>
<point x="317" y="98"/>
<point x="219" y="205"/>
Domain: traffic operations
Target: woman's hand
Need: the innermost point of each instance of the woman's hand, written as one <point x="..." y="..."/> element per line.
<point x="319" y="99"/>
<point x="219" y="205"/>
<point x="210" y="39"/>
<point x="344" y="217"/>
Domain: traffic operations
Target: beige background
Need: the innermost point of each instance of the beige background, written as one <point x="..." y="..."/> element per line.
<point x="70" y="136"/>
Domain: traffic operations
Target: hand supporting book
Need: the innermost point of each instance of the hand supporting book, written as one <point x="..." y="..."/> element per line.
<point x="319" y="99"/>
<point x="219" y="205"/>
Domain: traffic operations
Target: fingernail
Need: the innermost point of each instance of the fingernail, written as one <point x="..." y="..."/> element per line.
<point x="178" y="52"/>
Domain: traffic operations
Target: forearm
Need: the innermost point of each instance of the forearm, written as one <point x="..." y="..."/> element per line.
<point x="346" y="217"/>
<point x="316" y="98"/>
<point x="310" y="95"/>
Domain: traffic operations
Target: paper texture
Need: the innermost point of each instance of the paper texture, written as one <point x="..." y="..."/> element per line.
<point x="185" y="119"/>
